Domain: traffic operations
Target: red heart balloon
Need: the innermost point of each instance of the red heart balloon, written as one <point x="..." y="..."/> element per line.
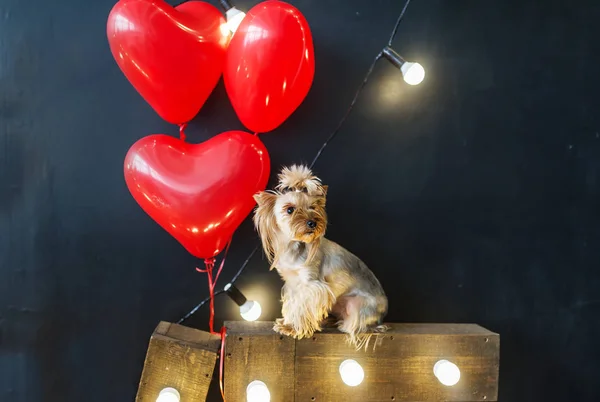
<point x="270" y="65"/>
<point x="199" y="193"/>
<point x="172" y="57"/>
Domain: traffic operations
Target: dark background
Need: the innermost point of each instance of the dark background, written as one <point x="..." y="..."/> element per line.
<point x="474" y="196"/>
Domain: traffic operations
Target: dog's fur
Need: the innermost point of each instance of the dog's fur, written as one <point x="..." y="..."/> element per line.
<point x="320" y="277"/>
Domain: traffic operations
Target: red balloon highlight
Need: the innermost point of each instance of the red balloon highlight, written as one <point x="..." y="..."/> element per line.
<point x="173" y="57"/>
<point x="270" y="65"/>
<point x="199" y="193"/>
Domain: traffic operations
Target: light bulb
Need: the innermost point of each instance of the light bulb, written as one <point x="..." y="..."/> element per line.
<point x="413" y="73"/>
<point x="446" y="372"/>
<point x="168" y="395"/>
<point x="257" y="391"/>
<point x="352" y="373"/>
<point x="234" y="18"/>
<point x="250" y="311"/>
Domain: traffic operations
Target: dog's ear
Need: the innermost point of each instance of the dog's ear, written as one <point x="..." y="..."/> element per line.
<point x="264" y="198"/>
<point x="265" y="223"/>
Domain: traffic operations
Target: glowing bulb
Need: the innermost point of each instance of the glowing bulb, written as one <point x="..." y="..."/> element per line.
<point x="168" y="395"/>
<point x="257" y="391"/>
<point x="250" y="311"/>
<point x="446" y="372"/>
<point x="352" y="373"/>
<point x="234" y="18"/>
<point x="413" y="73"/>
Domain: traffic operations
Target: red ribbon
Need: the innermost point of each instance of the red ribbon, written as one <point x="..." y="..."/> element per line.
<point x="222" y="362"/>
<point x="209" y="263"/>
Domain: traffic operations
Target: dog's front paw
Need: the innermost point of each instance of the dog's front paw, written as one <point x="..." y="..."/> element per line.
<point x="284" y="329"/>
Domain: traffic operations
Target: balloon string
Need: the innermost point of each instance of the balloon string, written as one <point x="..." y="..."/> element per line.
<point x="209" y="264"/>
<point x="223" y="261"/>
<point x="222" y="362"/>
<point x="182" y="128"/>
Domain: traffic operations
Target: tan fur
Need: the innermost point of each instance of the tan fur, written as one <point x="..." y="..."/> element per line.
<point x="320" y="277"/>
<point x="300" y="178"/>
<point x="265" y="202"/>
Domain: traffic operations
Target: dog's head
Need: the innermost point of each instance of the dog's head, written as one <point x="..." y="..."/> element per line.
<point x="294" y="212"/>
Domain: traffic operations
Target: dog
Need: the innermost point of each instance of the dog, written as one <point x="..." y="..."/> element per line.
<point x="322" y="280"/>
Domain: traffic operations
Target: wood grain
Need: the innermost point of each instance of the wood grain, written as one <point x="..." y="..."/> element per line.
<point x="399" y="369"/>
<point x="178" y="357"/>
<point x="255" y="352"/>
<point x="401" y="366"/>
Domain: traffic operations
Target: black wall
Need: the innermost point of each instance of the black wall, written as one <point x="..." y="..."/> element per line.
<point x="474" y="197"/>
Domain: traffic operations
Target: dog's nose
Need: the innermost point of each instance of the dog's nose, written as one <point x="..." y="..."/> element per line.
<point x="311" y="224"/>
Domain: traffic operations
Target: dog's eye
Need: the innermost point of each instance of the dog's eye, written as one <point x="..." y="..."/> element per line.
<point x="291" y="210"/>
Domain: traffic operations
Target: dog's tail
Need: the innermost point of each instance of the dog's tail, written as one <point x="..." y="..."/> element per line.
<point x="361" y="327"/>
<point x="363" y="339"/>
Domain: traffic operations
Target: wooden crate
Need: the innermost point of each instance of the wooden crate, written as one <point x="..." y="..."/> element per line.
<point x="178" y="357"/>
<point x="399" y="369"/>
<point x="254" y="352"/>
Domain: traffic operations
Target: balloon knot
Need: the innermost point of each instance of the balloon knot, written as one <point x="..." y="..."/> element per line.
<point x="182" y="128"/>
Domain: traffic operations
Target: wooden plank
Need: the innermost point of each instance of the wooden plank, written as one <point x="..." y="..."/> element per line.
<point x="255" y="352"/>
<point x="178" y="357"/>
<point x="429" y="329"/>
<point x="401" y="367"/>
<point x="250" y="328"/>
<point x="200" y="339"/>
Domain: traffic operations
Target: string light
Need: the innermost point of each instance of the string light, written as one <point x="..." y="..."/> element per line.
<point x="446" y="372"/>
<point x="257" y="391"/>
<point x="250" y="310"/>
<point x="233" y="15"/>
<point x="413" y="73"/>
<point x="168" y="395"/>
<point x="352" y="373"/>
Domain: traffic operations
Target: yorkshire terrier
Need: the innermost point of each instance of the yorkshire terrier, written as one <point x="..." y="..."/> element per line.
<point x="321" y="278"/>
